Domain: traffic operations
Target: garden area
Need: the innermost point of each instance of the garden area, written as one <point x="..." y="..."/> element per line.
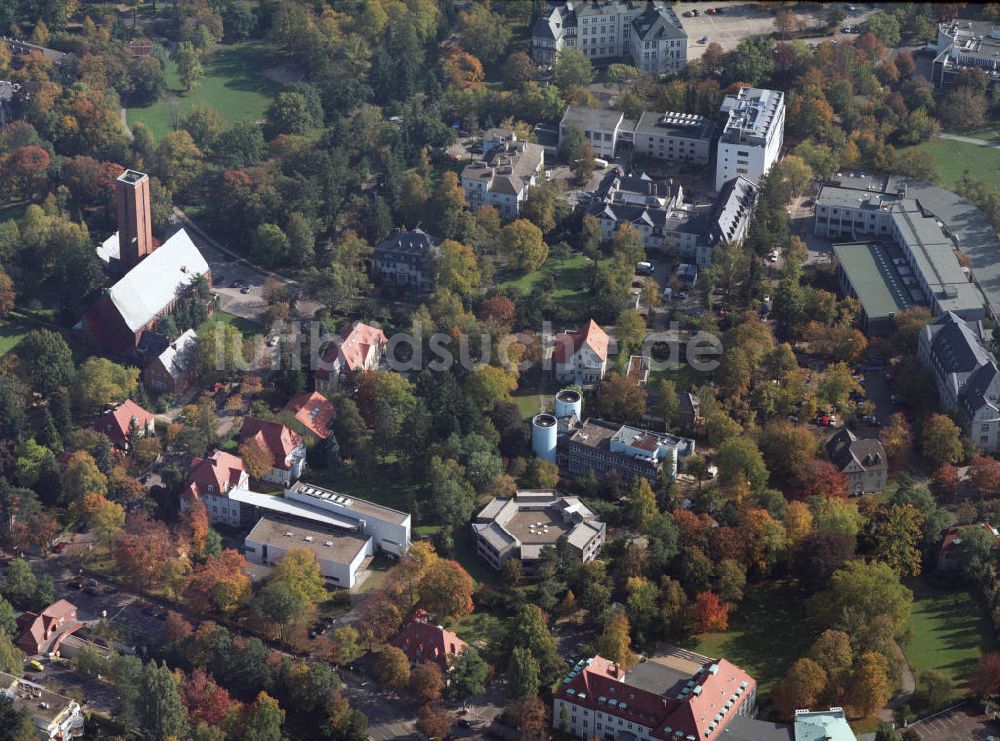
<point x="953" y="158"/>
<point x="572" y="281"/>
<point x="767" y="632"/>
<point x="234" y="84"/>
<point x="949" y="632"/>
<point x="246" y="327"/>
<point x="12" y="331"/>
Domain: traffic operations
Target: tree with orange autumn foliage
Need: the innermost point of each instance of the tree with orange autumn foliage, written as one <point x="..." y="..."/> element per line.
<point x="461" y="69"/>
<point x="446" y="589"/>
<point x="142" y="550"/>
<point x="195" y="524"/>
<point x="821" y="478"/>
<point x="257" y="459"/>
<point x="222" y="583"/>
<point x="709" y="613"/>
<point x="946" y="480"/>
<point x="984" y="475"/>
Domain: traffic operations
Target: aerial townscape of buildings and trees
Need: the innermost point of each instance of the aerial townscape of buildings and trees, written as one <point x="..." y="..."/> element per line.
<point x="518" y="369"/>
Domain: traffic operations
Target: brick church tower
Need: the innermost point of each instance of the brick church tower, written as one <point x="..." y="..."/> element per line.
<point x="135" y="232"/>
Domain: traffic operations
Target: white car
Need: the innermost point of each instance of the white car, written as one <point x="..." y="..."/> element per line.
<point x="703" y="40"/>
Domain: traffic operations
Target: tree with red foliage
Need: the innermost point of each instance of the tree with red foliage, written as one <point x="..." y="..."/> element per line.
<point x="986" y="682"/>
<point x="497" y="310"/>
<point x="709" y="613"/>
<point x="175" y="628"/>
<point x="434" y="720"/>
<point x="205" y="700"/>
<point x="142" y="550"/>
<point x="984" y="475"/>
<point x="692" y="529"/>
<point x="24" y="170"/>
<point x="821" y="478"/>
<point x="380" y="618"/>
<point x="90" y="182"/>
<point x="221" y="583"/>
<point x="946" y="480"/>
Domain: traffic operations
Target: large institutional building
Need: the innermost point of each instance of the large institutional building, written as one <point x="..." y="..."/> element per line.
<point x="898" y="254"/>
<point x="646" y="31"/>
<point x="753" y="130"/>
<point x="677" y="697"/>
<point x="966" y="44"/>
<point x="507" y="171"/>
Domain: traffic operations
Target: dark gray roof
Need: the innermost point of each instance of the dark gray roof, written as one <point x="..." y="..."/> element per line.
<point x="956" y="345"/>
<point x="742" y="728"/>
<point x="592" y="118"/>
<point x="845" y="448"/>
<point x="658" y="22"/>
<point x="671" y="123"/>
<point x="641" y="184"/>
<point x="982" y="389"/>
<point x="415" y="241"/>
<point x="734" y="205"/>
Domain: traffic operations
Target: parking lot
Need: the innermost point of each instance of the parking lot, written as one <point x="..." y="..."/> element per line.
<point x="961" y="724"/>
<point x="742" y="20"/>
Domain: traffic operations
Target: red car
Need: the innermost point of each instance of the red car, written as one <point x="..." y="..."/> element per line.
<point x="711" y="11"/>
<point x="58" y="547"/>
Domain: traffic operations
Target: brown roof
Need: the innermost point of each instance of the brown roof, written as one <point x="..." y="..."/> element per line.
<point x="115" y="423"/>
<point x="273" y="436"/>
<point x="314" y="411"/>
<point x="221" y="470"/>
<point x="37" y="629"/>
<point x="352" y="348"/>
<point x="421" y="641"/>
<point x="569" y="343"/>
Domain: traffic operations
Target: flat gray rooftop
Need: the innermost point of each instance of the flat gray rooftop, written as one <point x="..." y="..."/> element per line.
<point x="326" y="543"/>
<point x="536" y="526"/>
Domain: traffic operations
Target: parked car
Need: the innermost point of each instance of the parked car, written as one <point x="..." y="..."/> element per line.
<point x="703" y="40"/>
<point x="75" y="585"/>
<point x="245" y="288"/>
<point x="689" y="14"/>
<point x="236" y="284"/>
<point x="91" y="589"/>
<point x="58" y="547"/>
<point x="711" y="11"/>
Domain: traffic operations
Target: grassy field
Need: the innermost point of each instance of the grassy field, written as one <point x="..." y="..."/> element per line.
<point x="476" y="628"/>
<point x="949" y="632"/>
<point x="245" y="326"/>
<point x="766" y="633"/>
<point x="683" y="375"/>
<point x="572" y="281"/>
<point x="12" y="331"/>
<point x="233" y="84"/>
<point x="953" y="158"/>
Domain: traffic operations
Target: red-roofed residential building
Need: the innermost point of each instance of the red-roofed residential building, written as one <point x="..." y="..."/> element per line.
<point x="581" y="357"/>
<point x="42" y="633"/>
<point x="314" y="412"/>
<point x="675" y="698"/>
<point x="115" y="423"/>
<point x="210" y="480"/>
<point x="421" y="641"/>
<point x="948" y="558"/>
<point x="285" y="446"/>
<point x="360" y="347"/>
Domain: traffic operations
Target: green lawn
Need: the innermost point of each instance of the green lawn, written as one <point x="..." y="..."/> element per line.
<point x="953" y="158"/>
<point x="949" y="632"/>
<point x="247" y="327"/>
<point x="572" y="281"/>
<point x="766" y="633"/>
<point x="477" y="627"/>
<point x="683" y="375"/>
<point x="12" y="331"/>
<point x="233" y="84"/>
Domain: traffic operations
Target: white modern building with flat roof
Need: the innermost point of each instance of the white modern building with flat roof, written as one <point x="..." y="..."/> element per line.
<point x="753" y="131"/>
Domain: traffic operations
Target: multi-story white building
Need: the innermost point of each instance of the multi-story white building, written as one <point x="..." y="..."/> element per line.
<point x="753" y="130"/>
<point x="665" y="698"/>
<point x="600" y="126"/>
<point x="648" y="32"/>
<point x="676" y="137"/>
<point x="964" y="44"/>
<point x="210" y="480"/>
<point x="508" y="170"/>
<point x="54" y="716"/>
<point x="581" y="357"/>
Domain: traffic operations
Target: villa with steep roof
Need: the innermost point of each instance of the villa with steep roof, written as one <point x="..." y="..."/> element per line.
<point x="421" y="641"/>
<point x="116" y="423"/>
<point x="176" y="368"/>
<point x="581" y="357"/>
<point x="508" y="170"/>
<point x="407" y="258"/>
<point x="285" y="446"/>
<point x="42" y="632"/>
<point x="676" y="697"/>
<point x="313" y="411"/>
<point x="359" y="347"/>
<point x="862" y="460"/>
<point x="210" y="480"/>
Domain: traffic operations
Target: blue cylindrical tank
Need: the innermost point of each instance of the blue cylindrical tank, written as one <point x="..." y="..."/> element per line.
<point x="569" y="402"/>
<point x="544" y="429"/>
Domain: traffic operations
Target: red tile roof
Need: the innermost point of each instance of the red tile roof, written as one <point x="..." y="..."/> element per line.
<point x="115" y="423"/>
<point x="953" y="535"/>
<point x="314" y="411"/>
<point x="421" y="641"/>
<point x="352" y="348"/>
<point x="221" y="471"/>
<point x="274" y="437"/>
<point x="569" y="343"/>
<point x="58" y="619"/>
<point x="665" y="714"/>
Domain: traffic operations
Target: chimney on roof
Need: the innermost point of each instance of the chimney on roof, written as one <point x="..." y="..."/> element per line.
<point x="135" y="231"/>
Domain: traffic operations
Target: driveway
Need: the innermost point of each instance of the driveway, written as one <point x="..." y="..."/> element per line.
<point x="959" y="724"/>
<point x="228" y="267"/>
<point x="386" y="719"/>
<point x="744" y="20"/>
